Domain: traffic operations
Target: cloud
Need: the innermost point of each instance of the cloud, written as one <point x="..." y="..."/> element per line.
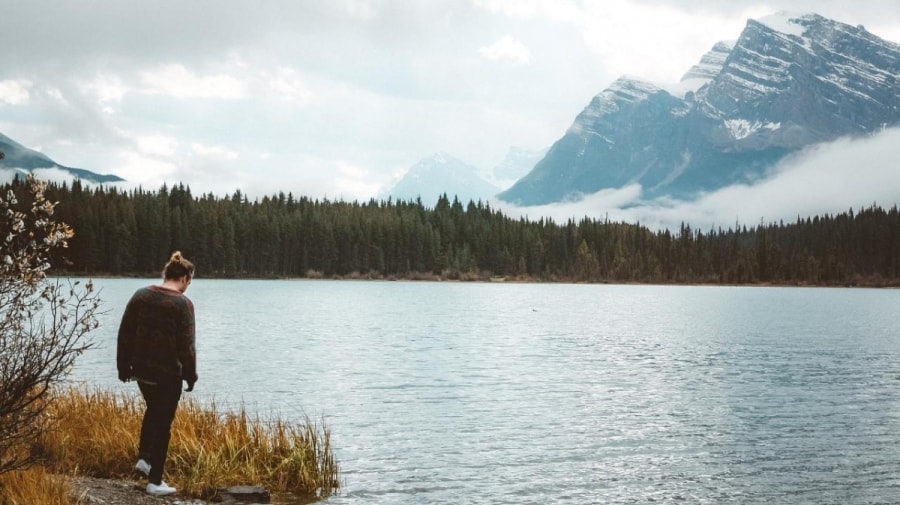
<point x="628" y="37"/>
<point x="142" y="170"/>
<point x="625" y="34"/>
<point x="507" y="48"/>
<point x="282" y="95"/>
<point x="597" y="205"/>
<point x="220" y="171"/>
<point x="354" y="183"/>
<point x="15" y="91"/>
<point x="213" y="151"/>
<point x="54" y="175"/>
<point x="156" y="145"/>
<point x="871" y="13"/>
<point x="825" y="179"/>
<point x="289" y="86"/>
<point x="56" y="95"/>
<point x="106" y="87"/>
<point x="362" y="9"/>
<point x="178" y="81"/>
<point x="60" y="113"/>
<point x="554" y="10"/>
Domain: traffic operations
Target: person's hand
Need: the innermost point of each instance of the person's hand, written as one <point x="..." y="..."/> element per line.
<point x="190" y="386"/>
<point x="124" y="377"/>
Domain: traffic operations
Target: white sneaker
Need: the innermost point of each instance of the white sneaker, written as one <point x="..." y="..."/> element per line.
<point x="161" y="489"/>
<point x="143" y="467"/>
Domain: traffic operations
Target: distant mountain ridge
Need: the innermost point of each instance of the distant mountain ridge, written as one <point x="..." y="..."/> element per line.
<point x="515" y="165"/>
<point x="21" y="160"/>
<point x="789" y="81"/>
<point x="441" y="174"/>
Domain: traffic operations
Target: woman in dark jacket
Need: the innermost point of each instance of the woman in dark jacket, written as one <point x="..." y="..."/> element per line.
<point x="156" y="348"/>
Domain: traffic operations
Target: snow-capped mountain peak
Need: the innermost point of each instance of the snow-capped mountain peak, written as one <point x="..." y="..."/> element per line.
<point x="787" y="82"/>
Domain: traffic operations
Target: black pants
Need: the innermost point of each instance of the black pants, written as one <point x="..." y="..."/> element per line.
<point x="162" y="400"/>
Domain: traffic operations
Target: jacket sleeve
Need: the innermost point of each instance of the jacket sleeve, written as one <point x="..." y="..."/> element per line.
<point x="187" y="352"/>
<point x="125" y="340"/>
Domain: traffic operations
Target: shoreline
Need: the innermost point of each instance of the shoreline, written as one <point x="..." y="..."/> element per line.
<point x="494" y="279"/>
<point x="96" y="490"/>
<point x="112" y="491"/>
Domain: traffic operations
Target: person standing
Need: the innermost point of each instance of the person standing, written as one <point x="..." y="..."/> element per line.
<point x="155" y="347"/>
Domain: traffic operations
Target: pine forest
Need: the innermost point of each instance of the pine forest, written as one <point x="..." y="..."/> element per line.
<point x="131" y="233"/>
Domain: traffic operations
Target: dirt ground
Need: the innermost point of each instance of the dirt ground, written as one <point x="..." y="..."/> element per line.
<point x="93" y="491"/>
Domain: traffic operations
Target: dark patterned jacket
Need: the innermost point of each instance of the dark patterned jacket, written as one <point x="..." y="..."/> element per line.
<point x="156" y="337"/>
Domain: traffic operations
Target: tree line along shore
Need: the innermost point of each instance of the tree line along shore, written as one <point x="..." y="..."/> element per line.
<point x="124" y="233"/>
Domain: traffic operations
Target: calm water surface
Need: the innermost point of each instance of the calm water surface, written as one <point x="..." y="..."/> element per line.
<point x="561" y="394"/>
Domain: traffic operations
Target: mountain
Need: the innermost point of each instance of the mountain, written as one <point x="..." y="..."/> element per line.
<point x="788" y="82"/>
<point x="439" y="174"/>
<point x="19" y="160"/>
<point x="515" y="165"/>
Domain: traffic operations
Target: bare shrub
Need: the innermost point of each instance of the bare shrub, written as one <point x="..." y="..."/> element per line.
<point x="42" y="322"/>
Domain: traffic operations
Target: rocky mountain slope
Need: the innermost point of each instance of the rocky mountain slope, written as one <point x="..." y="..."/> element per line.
<point x="788" y="82"/>
<point x="21" y="160"/>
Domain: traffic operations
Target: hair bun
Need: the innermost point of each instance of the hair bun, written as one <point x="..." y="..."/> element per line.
<point x="178" y="266"/>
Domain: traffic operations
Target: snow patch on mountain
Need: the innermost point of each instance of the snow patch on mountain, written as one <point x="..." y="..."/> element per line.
<point x="789" y="23"/>
<point x="741" y="128"/>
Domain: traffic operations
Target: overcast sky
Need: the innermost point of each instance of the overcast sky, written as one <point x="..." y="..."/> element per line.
<point x="338" y="98"/>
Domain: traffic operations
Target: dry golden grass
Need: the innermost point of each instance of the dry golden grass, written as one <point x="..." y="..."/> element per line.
<point x="96" y="435"/>
<point x="34" y="485"/>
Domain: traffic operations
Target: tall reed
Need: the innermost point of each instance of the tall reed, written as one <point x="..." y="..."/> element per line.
<point x="96" y="434"/>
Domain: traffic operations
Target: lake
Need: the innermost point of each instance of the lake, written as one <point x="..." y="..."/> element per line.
<point x="560" y="394"/>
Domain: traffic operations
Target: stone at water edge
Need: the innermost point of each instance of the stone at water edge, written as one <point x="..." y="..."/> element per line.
<point x="245" y="494"/>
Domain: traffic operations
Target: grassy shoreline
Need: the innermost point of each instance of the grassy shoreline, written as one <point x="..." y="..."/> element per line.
<point x="94" y="433"/>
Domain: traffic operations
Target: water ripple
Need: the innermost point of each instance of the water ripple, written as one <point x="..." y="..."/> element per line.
<point x="464" y="393"/>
